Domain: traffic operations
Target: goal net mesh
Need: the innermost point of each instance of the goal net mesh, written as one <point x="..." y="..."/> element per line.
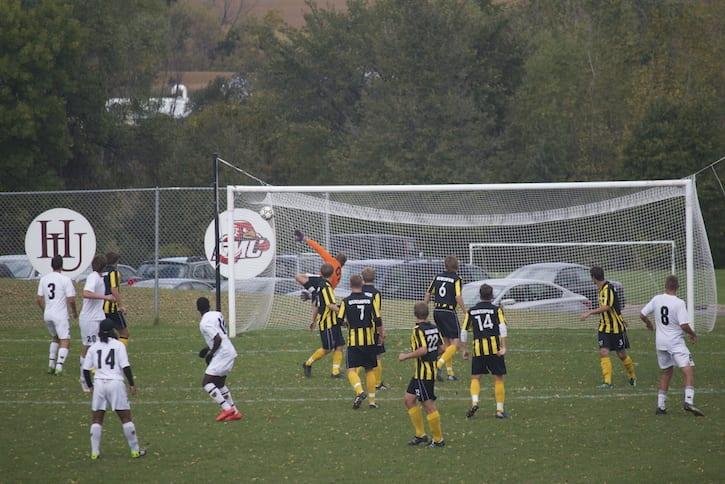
<point x="534" y="246"/>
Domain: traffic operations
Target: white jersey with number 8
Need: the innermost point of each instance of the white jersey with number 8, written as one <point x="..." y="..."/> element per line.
<point x="669" y="312"/>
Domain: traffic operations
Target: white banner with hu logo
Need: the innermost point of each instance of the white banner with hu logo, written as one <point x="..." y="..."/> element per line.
<point x="60" y="231"/>
<point x="253" y="244"/>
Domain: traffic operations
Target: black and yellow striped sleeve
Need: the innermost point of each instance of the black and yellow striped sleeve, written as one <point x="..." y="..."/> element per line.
<point x="466" y="322"/>
<point x="501" y="317"/>
<point x="113" y="279"/>
<point x="609" y="297"/>
<point x="417" y="340"/>
<point x="328" y="296"/>
<point x="341" y="311"/>
<point x="457" y="286"/>
<point x="378" y="303"/>
<point x="377" y="318"/>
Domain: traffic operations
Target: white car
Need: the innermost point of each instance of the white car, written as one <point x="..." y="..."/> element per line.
<point x="528" y="294"/>
<point x="20" y="266"/>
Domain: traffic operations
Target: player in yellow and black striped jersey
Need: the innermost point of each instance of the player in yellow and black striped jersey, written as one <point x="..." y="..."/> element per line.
<point x="488" y="324"/>
<point x="612" y="332"/>
<point x="446" y="292"/>
<point x="368" y="276"/>
<point x="325" y="317"/>
<point x="425" y="343"/>
<point x="361" y="314"/>
<point x="114" y="309"/>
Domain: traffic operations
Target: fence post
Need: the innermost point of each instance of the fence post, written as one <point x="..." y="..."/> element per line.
<point x="156" y="256"/>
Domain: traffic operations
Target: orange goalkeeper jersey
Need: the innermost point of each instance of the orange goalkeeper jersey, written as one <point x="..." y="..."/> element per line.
<point x="326" y="257"/>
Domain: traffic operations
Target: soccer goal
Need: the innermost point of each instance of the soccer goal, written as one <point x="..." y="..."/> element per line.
<point x="533" y="242"/>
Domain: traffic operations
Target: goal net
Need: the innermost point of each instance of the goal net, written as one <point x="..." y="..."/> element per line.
<point x="534" y="243"/>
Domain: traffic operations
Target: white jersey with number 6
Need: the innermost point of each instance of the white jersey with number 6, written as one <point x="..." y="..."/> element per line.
<point x="212" y="324"/>
<point x="670" y="312"/>
<point x="108" y="359"/>
<point x="56" y="288"/>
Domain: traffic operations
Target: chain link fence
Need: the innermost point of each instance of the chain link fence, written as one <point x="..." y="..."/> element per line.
<point x="158" y="232"/>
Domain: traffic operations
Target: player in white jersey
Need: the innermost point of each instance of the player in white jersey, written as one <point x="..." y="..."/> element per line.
<point x="56" y="295"/>
<point x="672" y="322"/>
<point x="108" y="357"/>
<point x="94" y="293"/>
<point x="219" y="355"/>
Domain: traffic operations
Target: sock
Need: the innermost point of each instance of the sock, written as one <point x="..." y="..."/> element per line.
<point x="354" y="379"/>
<point x="475" y="390"/>
<point x="689" y="395"/>
<point x="662" y="399"/>
<point x="216" y="395"/>
<point x="227" y="395"/>
<point x="83" y="380"/>
<point x="96" y="431"/>
<point x="446" y="357"/>
<point x="416" y="417"/>
<point x="336" y="361"/>
<point x="449" y="368"/>
<point x="370" y="383"/>
<point x="378" y="373"/>
<point x="606" y="364"/>
<point x="629" y="366"/>
<point x="500" y="392"/>
<point x="124" y="340"/>
<point x="315" y="356"/>
<point x="129" y="430"/>
<point x="434" y="420"/>
<point x="52" y="354"/>
<point x="62" y="355"/>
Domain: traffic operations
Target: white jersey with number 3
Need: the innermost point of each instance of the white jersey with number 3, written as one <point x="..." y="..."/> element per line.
<point x="212" y="324"/>
<point x="56" y="288"/>
<point x="108" y="359"/>
<point x="670" y="312"/>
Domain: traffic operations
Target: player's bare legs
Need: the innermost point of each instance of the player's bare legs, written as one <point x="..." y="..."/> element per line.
<point x="216" y="387"/>
<point x="628" y="366"/>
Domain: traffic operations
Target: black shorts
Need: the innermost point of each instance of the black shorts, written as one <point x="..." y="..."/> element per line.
<point x="332" y="337"/>
<point x="613" y="341"/>
<point x="379" y="347"/>
<point x="117" y="318"/>
<point x="422" y="389"/>
<point x="483" y="365"/>
<point x="447" y="322"/>
<point x="361" y="356"/>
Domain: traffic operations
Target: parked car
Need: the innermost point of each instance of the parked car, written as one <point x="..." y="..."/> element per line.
<point x="374" y="246"/>
<point x="528" y="294"/>
<point x="261" y="285"/>
<point x="288" y="265"/>
<point x="382" y="268"/>
<point x="128" y="275"/>
<point x="179" y="267"/>
<point x="411" y="279"/>
<point x="178" y="283"/>
<point x="20" y="266"/>
<point x="574" y="277"/>
<point x="5" y="271"/>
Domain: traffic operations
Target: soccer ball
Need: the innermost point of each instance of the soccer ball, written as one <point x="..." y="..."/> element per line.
<point x="266" y="212"/>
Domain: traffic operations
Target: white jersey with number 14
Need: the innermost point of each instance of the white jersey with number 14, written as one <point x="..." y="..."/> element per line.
<point x="670" y="312"/>
<point x="108" y="359"/>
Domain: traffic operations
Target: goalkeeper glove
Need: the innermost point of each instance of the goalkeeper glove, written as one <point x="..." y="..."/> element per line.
<point x="203" y="352"/>
<point x="299" y="235"/>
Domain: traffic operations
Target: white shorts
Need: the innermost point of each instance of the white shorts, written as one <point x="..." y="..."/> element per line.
<point x="221" y="364"/>
<point x="677" y="355"/>
<point x="89" y="331"/>
<point x="58" y="328"/>
<point x="109" y="392"/>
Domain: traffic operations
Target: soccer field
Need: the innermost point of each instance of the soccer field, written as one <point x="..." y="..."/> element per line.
<point x="561" y="428"/>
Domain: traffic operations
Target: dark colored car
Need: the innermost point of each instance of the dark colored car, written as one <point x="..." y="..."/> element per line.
<point x="374" y="246"/>
<point x="411" y="279"/>
<point x="574" y="277"/>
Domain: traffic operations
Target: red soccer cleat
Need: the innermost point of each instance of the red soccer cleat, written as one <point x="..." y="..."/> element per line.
<point x="224" y="414"/>
<point x="237" y="415"/>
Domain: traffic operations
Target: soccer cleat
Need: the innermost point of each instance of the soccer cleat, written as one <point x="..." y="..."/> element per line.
<point x="605" y="386"/>
<point x="501" y="414"/>
<point x="58" y="372"/>
<point x="307" y="369"/>
<point x="693" y="410"/>
<point x="382" y="386"/>
<point x="661" y="411"/>
<point x="452" y="378"/>
<point x="472" y="411"/>
<point x="373" y="405"/>
<point x="135" y="454"/>
<point x="358" y="400"/>
<point x="51" y="370"/>
<point x="224" y="414"/>
<point x="335" y="375"/>
<point x="439" y="374"/>
<point x="633" y="382"/>
<point x="435" y="445"/>
<point x="95" y="456"/>
<point x="237" y="415"/>
<point x="419" y="440"/>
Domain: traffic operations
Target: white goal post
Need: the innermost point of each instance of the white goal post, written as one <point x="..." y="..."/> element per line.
<point x="404" y="231"/>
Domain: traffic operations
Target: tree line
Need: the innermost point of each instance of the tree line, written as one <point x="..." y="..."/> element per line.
<point x="390" y="91"/>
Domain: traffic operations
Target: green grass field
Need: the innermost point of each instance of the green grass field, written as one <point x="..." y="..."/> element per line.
<point x="561" y="427"/>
